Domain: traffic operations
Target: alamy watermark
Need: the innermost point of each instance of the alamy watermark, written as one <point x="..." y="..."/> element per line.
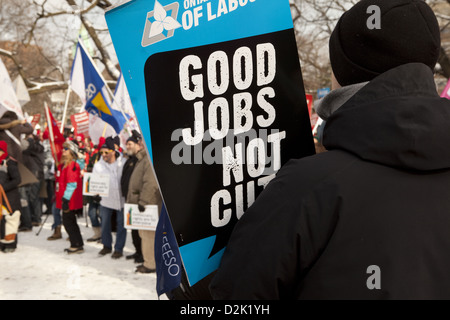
<point x="259" y="150"/>
<point x="374" y="280"/>
<point x="374" y="21"/>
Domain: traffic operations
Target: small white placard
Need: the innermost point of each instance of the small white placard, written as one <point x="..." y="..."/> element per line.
<point x="95" y="184"/>
<point x="146" y="220"/>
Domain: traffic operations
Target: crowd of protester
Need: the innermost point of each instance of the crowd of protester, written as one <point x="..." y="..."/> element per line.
<point x="36" y="185"/>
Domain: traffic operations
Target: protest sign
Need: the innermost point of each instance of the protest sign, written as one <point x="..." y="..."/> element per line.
<point x="35" y="120"/>
<point x="218" y="92"/>
<point x="95" y="184"/>
<point x="137" y="220"/>
<point x="80" y="123"/>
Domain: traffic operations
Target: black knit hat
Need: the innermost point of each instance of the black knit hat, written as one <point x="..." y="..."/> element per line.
<point x="135" y="137"/>
<point x="109" y="144"/>
<point x="409" y="33"/>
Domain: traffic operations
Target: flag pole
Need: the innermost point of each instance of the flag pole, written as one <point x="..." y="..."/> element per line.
<point x="63" y="122"/>
<point x="104" y="130"/>
<point x="50" y="130"/>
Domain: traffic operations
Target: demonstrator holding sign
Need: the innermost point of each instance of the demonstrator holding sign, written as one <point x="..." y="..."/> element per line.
<point x="111" y="164"/>
<point x="143" y="190"/>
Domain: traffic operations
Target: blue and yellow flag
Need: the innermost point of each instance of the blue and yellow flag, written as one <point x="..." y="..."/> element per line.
<point x="88" y="84"/>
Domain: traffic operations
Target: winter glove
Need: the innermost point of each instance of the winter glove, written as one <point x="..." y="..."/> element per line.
<point x="141" y="208"/>
<point x="97" y="198"/>
<point x="65" y="205"/>
<point x="24" y="144"/>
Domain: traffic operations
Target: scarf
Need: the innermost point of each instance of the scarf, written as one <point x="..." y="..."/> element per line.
<point x="336" y="99"/>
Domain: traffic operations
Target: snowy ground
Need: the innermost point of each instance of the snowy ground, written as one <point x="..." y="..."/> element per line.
<point x="40" y="270"/>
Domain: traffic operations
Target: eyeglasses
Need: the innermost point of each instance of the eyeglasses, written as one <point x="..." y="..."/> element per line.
<point x="104" y="152"/>
<point x="65" y="148"/>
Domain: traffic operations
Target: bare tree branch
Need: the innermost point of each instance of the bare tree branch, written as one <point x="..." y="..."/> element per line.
<point x="104" y="4"/>
<point x="105" y="58"/>
<point x="12" y="56"/>
<point x="104" y="55"/>
<point x="44" y="14"/>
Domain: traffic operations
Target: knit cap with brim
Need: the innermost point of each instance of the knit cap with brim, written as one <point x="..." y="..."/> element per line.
<point x="135" y="137"/>
<point x="109" y="144"/>
<point x="73" y="147"/>
<point x="408" y="32"/>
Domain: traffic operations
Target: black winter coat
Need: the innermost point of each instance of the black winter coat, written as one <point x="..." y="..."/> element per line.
<point x="33" y="158"/>
<point x="127" y="170"/>
<point x="369" y="219"/>
<point x="10" y="181"/>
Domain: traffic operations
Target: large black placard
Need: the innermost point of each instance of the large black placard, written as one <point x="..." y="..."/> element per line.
<point x="223" y="119"/>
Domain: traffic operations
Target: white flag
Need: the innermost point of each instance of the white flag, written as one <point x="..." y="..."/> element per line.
<point x="122" y="101"/>
<point x="77" y="77"/>
<point x="99" y="128"/>
<point x="21" y="91"/>
<point x="8" y="98"/>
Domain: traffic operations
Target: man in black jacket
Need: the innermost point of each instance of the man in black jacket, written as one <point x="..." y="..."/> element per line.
<point x="369" y="218"/>
<point x="133" y="148"/>
<point x="33" y="159"/>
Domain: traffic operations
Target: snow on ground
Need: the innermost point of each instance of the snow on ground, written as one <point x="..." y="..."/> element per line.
<point x="40" y="270"/>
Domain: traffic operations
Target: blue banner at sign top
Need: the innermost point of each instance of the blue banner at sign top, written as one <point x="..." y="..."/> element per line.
<point x="151" y="38"/>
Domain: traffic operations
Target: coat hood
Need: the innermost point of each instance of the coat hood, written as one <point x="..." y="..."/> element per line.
<point x="397" y="119"/>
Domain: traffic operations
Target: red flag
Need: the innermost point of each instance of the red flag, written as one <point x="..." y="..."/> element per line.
<point x="54" y="134"/>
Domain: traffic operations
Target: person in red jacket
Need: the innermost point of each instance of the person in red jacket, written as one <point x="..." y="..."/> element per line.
<point x="69" y="197"/>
